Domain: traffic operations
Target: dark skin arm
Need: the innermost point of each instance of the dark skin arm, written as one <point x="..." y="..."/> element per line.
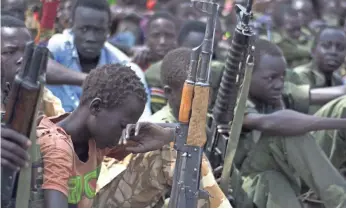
<point x="58" y="74"/>
<point x="321" y="96"/>
<point x="55" y="199"/>
<point x="290" y="123"/>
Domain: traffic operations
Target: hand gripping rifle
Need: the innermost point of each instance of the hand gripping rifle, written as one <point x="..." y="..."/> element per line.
<point x="238" y="61"/>
<point x="21" y="111"/>
<point x="194" y="101"/>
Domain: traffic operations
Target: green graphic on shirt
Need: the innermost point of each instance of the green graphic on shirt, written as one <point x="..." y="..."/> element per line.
<point x="79" y="186"/>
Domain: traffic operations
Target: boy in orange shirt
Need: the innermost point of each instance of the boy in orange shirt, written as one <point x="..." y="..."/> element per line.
<point x="73" y="145"/>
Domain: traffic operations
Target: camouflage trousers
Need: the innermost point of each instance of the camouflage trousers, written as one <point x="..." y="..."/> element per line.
<point x="299" y="157"/>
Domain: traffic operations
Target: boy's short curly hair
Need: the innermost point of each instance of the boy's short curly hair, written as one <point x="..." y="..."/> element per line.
<point x="265" y="47"/>
<point x="112" y="83"/>
<point x="175" y="66"/>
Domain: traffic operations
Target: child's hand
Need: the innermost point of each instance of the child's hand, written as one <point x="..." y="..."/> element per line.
<point x="144" y="137"/>
<point x="14" y="149"/>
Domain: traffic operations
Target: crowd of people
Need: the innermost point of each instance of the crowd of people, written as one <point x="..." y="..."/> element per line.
<point x="113" y="64"/>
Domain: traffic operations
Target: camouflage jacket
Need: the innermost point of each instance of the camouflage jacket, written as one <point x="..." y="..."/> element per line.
<point x="143" y="180"/>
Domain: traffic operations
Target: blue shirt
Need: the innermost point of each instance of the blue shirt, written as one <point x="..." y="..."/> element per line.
<point x="64" y="51"/>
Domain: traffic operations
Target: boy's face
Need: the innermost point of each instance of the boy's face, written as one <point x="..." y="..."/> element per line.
<point x="330" y="51"/>
<point x="106" y="125"/>
<point x="292" y="26"/>
<point x="162" y="37"/>
<point x="13" y="41"/>
<point x="90" y="27"/>
<point x="268" y="79"/>
<point x="305" y="10"/>
<point x="64" y="13"/>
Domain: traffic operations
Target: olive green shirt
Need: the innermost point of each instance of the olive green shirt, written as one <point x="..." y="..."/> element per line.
<point x="309" y="75"/>
<point x="272" y="168"/>
<point x="296" y="52"/>
<point x="333" y="142"/>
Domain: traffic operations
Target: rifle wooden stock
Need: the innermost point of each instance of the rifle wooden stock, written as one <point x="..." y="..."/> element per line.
<point x="20" y="115"/>
<point x="192" y="117"/>
<point x="197" y="135"/>
<point x="186" y="103"/>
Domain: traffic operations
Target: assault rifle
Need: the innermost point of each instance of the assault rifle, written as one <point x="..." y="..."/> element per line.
<point x="20" y="115"/>
<point x="192" y="117"/>
<point x="237" y="63"/>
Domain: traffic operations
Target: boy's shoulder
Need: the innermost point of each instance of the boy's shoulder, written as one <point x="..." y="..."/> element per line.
<point x="303" y="69"/>
<point x="51" y="136"/>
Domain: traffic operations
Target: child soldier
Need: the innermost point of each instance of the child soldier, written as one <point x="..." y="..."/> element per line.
<point x="146" y="179"/>
<point x="292" y="39"/>
<point x="73" y="145"/>
<point x="161" y="37"/>
<point x="14" y="36"/>
<point x="328" y="51"/>
<point x="191" y="35"/>
<point x="275" y="150"/>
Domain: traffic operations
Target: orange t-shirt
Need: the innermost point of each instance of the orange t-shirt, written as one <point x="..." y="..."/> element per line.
<point x="63" y="171"/>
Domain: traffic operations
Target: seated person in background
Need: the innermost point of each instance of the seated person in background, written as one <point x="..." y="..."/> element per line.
<point x="84" y="47"/>
<point x="328" y="51"/>
<point x="143" y="180"/>
<point x="191" y="35"/>
<point x="160" y="38"/>
<point x="293" y="40"/>
<point x="14" y="36"/>
<point x="273" y="156"/>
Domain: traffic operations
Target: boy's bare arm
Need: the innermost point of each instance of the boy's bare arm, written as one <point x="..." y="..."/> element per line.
<point x="58" y="74"/>
<point x="290" y="123"/>
<point x="321" y="96"/>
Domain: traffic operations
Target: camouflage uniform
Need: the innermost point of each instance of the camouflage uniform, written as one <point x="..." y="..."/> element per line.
<point x="309" y="75"/>
<point x="333" y="142"/>
<point x="296" y="52"/>
<point x="143" y="180"/>
<point x="158" y="99"/>
<point x="273" y="167"/>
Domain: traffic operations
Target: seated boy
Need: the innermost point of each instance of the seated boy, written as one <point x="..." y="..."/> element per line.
<point x="73" y="145"/>
<point x="275" y="150"/>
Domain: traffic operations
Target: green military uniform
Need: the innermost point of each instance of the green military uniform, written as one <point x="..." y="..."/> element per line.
<point x="157" y="94"/>
<point x="273" y="167"/>
<point x="296" y="52"/>
<point x="333" y="142"/>
<point x="296" y="95"/>
<point x="309" y="75"/>
<point x="158" y="99"/>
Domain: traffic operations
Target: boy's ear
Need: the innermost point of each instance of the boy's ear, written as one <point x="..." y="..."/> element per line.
<point x="95" y="106"/>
